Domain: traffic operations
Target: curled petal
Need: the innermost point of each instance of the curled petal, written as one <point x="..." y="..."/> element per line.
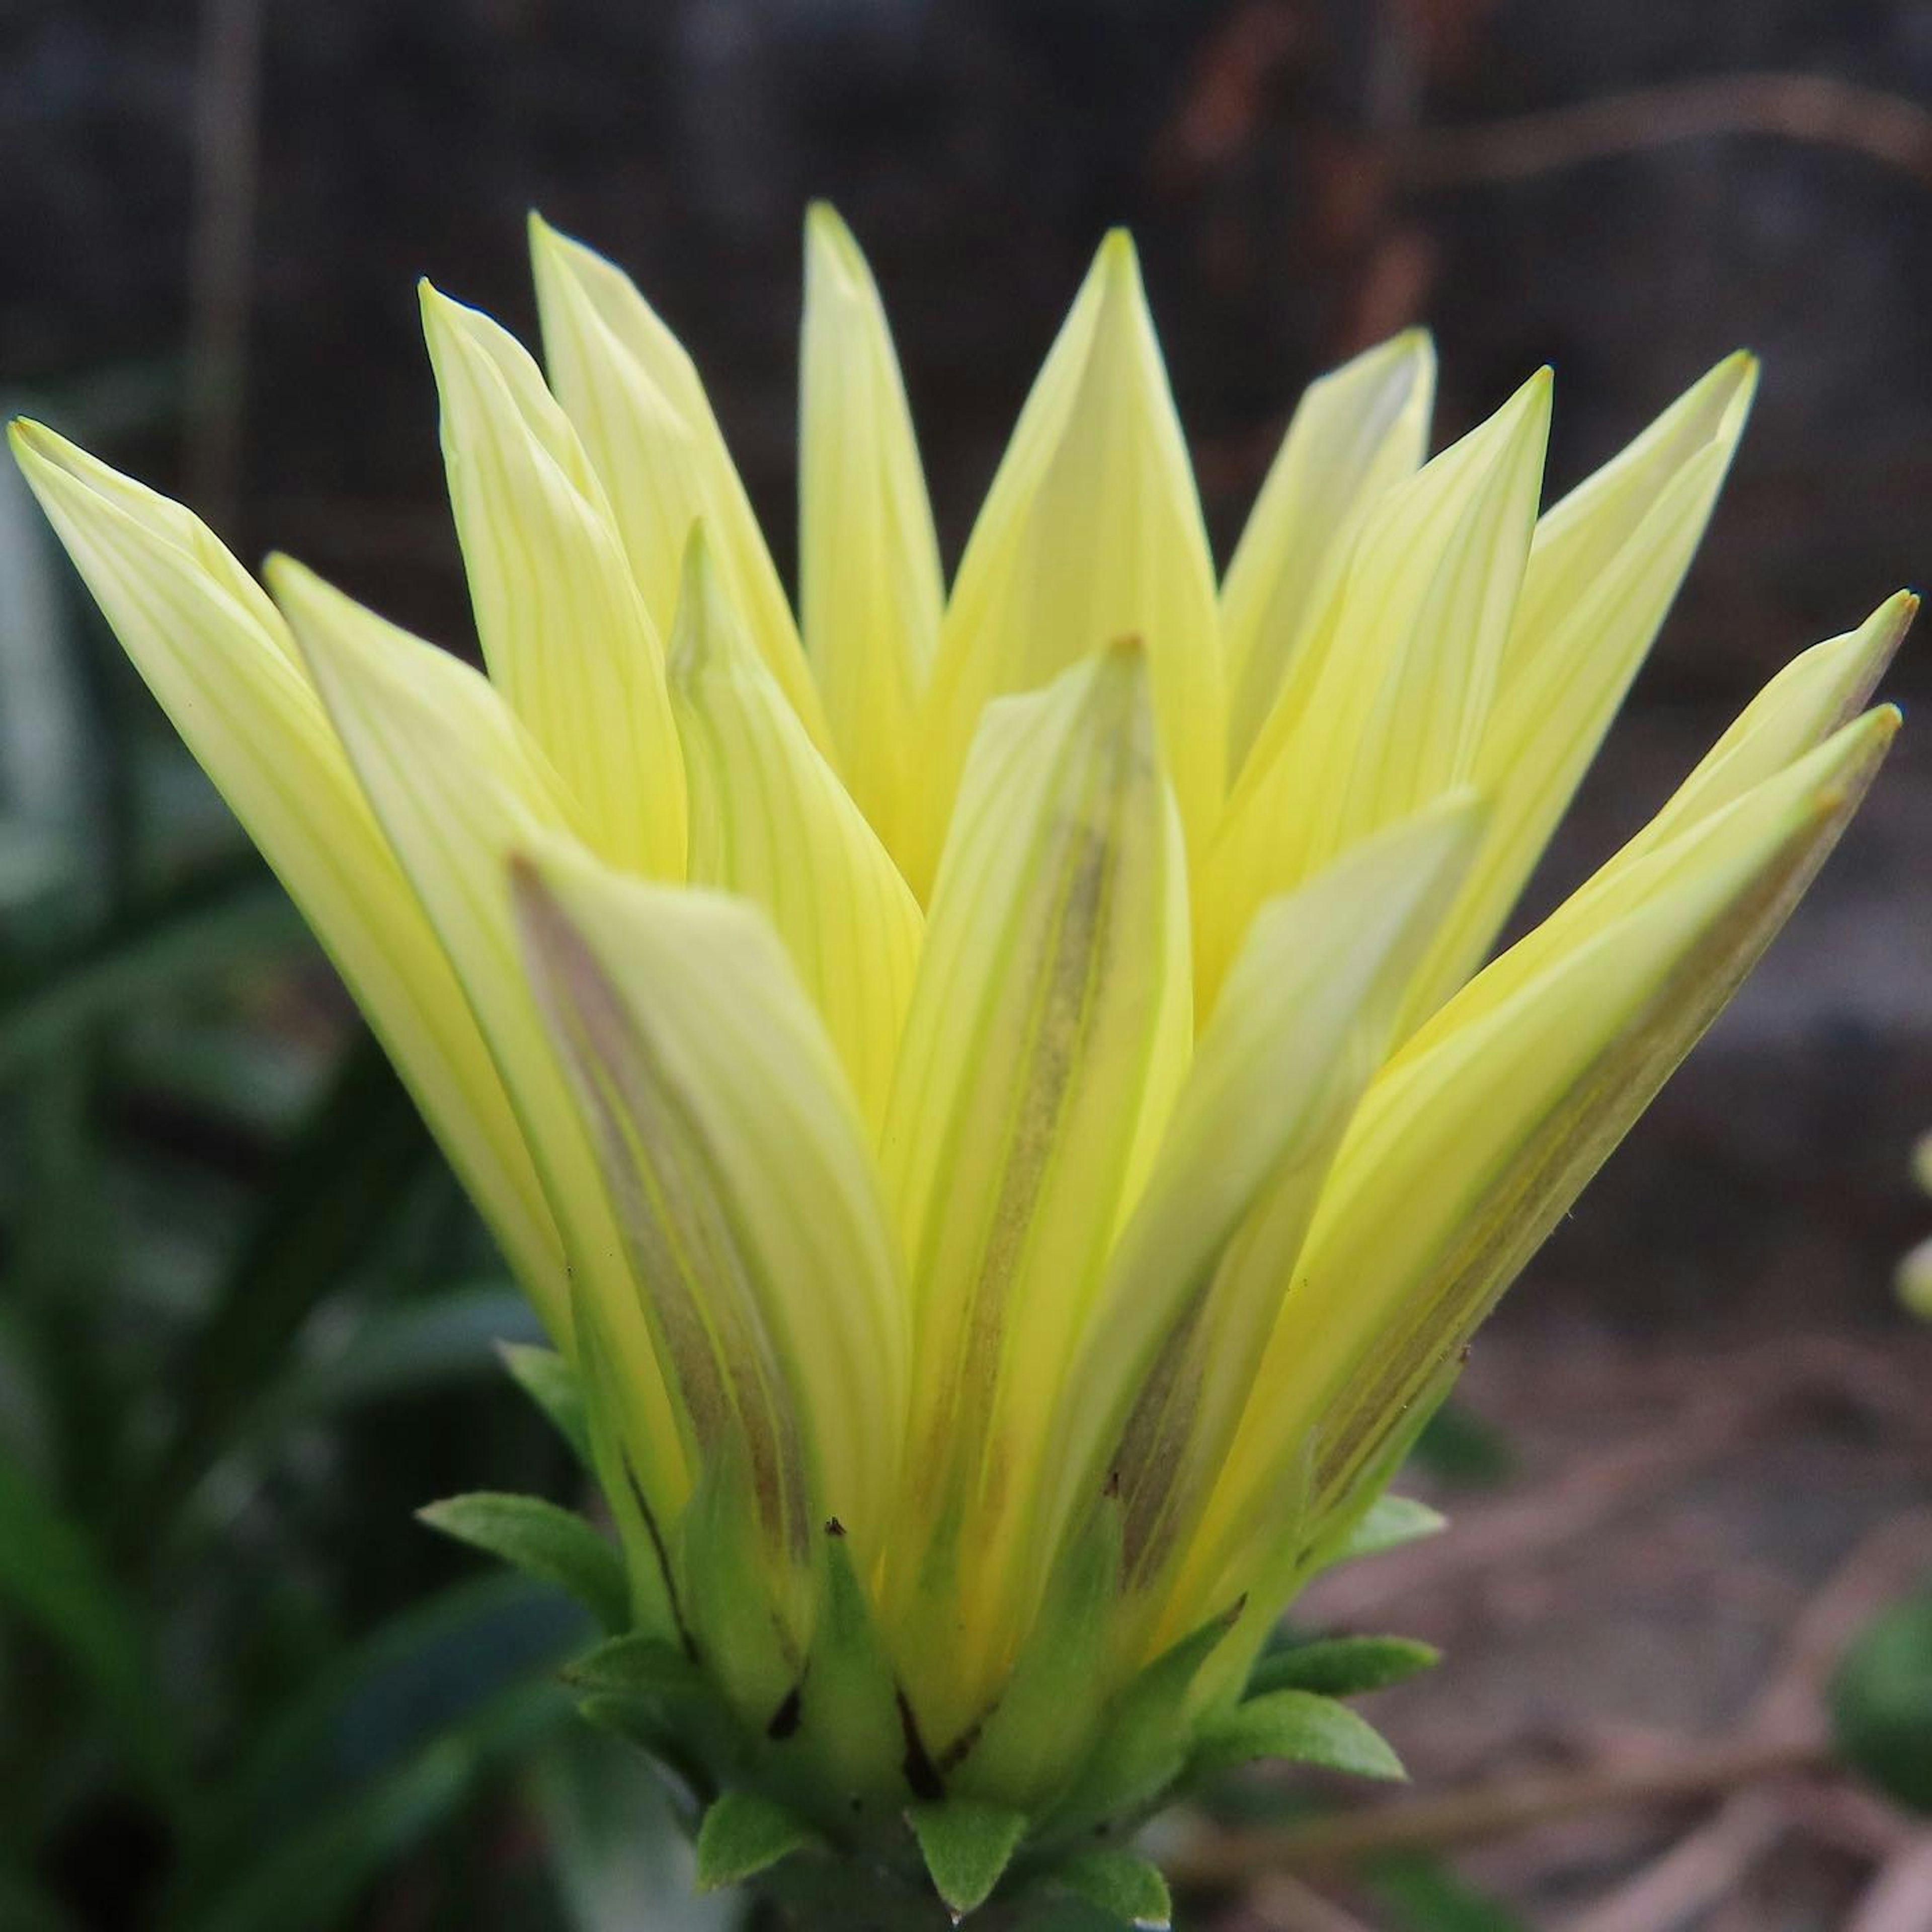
<point x="1049" y="1027"/>
<point x="1384" y="710"/>
<point x="769" y="820"/>
<point x="636" y="400"/>
<point x="1357" y="431"/>
<point x="216" y="653"/>
<point x="745" y="1197"/>
<point x="564" y="632"/>
<point x="870" y="589"/>
<point x="1092" y="531"/>
<point x="1192" y="1290"/>
<point x="1603" y="569"/>
<point x="459" y="785"/>
<point x="1480" y="1133"/>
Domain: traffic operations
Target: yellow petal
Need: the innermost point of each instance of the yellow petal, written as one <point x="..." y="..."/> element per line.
<point x="1384" y="710"/>
<point x="1192" y="1293"/>
<point x="216" y="654"/>
<point x="769" y="820"/>
<point x="1602" y="569"/>
<point x="1092" y="531"/>
<point x="1820" y="690"/>
<point x="1465" y="1152"/>
<point x="460" y="786"/>
<point x="636" y="401"/>
<point x="564" y="632"/>
<point x="747" y="1200"/>
<point x="1048" y="1028"/>
<point x="1814" y="695"/>
<point x="1359" y="429"/>
<point x="870" y="589"/>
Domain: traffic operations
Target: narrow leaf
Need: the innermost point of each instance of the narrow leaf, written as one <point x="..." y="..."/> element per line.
<point x="551" y="1544"/>
<point x="1341" y="1666"/>
<point x="1388" y="1523"/>
<point x="1296" y="1725"/>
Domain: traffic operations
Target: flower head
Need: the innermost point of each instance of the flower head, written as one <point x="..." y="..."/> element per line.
<point x="996" y="1095"/>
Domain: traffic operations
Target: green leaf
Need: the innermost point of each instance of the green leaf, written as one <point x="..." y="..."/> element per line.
<point x="1341" y="1666"/>
<point x="359" y="1158"/>
<point x="1881" y="1701"/>
<point x="1127" y="1889"/>
<point x="1423" y="1896"/>
<point x="1296" y="1725"/>
<point x="744" y="1835"/>
<point x="552" y="1544"/>
<point x="555" y="1387"/>
<point x="966" y="1845"/>
<point x="379" y="1745"/>
<point x="446" y="1337"/>
<point x="308" y="1878"/>
<point x="1388" y="1522"/>
<point x="50" y="1575"/>
<point x="1458" y="1446"/>
<point x="230" y="909"/>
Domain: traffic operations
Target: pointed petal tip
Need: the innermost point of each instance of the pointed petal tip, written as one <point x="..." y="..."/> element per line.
<point x="1117" y="264"/>
<point x="28" y="438"/>
<point x="831" y="246"/>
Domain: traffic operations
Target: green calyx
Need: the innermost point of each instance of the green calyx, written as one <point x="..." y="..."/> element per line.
<point x="807" y="1771"/>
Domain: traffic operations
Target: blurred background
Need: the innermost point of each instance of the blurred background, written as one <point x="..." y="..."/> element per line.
<point x="247" y="1325"/>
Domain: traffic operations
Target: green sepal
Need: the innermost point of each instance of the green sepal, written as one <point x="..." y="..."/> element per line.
<point x="553" y="1385"/>
<point x="1034" y="1739"/>
<point x="734" y="1584"/>
<point x="549" y="1543"/>
<point x="1296" y="1725"/>
<point x="1128" y="1890"/>
<point x="966" y="1845"/>
<point x="635" y="1665"/>
<point x="850" y="1694"/>
<point x="1387" y="1523"/>
<point x="1143" y="1746"/>
<point x="654" y="1603"/>
<point x="743" y="1835"/>
<point x="1341" y="1666"/>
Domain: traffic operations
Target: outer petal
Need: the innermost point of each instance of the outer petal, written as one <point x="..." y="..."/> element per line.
<point x="1359" y="431"/>
<point x="1604" y="566"/>
<point x="216" y="655"/>
<point x="870" y="590"/>
<point x="770" y="820"/>
<point x="1092" y="531"/>
<point x="459" y="786"/>
<point x="1477" y="1138"/>
<point x="747" y="1200"/>
<point x="636" y="401"/>
<point x="1384" y="710"/>
<point x="1048" y="1028"/>
<point x="1817" y="692"/>
<point x="1192" y="1293"/>
<point x="564" y="632"/>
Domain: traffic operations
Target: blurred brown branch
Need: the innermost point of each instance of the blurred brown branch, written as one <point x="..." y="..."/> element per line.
<point x="1886" y="128"/>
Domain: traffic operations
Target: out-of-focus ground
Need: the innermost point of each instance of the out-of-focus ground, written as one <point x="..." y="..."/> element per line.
<point x="1717" y="1417"/>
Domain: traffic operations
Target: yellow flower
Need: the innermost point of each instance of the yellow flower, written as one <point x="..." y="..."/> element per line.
<point x="998" y="1095"/>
